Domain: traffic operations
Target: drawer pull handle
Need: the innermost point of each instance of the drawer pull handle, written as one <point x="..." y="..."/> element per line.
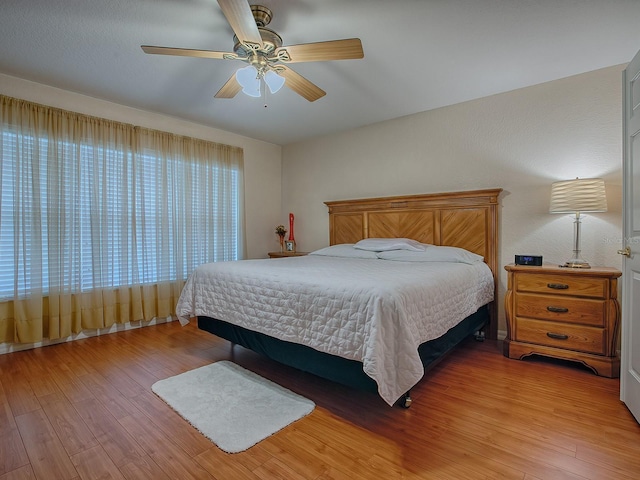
<point x="557" y="336"/>
<point x="557" y="309"/>
<point x="558" y="286"/>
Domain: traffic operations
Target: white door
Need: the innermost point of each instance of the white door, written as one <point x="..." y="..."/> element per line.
<point x="630" y="374"/>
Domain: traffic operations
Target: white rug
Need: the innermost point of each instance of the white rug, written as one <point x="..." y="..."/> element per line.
<point x="233" y="407"/>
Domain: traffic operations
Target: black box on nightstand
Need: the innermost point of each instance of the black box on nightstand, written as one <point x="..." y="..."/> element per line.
<point x="528" y="260"/>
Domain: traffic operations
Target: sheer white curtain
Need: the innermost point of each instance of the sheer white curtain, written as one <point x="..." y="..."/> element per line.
<point x="102" y="222"/>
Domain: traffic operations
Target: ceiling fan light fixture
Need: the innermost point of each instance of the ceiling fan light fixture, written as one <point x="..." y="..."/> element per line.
<point x="248" y="79"/>
<point x="262" y="49"/>
<point x="273" y="81"/>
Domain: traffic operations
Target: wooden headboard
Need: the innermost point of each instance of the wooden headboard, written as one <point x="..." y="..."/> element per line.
<point x="461" y="219"/>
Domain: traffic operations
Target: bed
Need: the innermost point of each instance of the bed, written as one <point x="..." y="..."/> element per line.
<point x="361" y="316"/>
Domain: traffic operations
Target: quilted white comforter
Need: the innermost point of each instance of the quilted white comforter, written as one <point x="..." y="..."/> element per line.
<point x="374" y="311"/>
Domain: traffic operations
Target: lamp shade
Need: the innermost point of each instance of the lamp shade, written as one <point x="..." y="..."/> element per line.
<point x="273" y="81"/>
<point x="579" y="195"/>
<point x="248" y="79"/>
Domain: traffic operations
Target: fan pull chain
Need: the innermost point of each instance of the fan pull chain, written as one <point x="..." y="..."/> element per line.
<point x="264" y="95"/>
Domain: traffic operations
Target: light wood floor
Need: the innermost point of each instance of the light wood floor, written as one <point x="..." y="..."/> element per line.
<point x="85" y="410"/>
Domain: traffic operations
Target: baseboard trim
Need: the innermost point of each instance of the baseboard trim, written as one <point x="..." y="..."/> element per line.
<point x="118" y="327"/>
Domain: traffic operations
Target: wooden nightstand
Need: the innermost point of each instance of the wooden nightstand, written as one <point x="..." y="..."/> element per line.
<point x="565" y="313"/>
<point x="287" y="254"/>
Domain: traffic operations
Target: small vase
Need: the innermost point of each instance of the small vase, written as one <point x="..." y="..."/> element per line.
<point x="281" y="243"/>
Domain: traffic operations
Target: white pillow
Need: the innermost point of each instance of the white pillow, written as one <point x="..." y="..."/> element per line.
<point x="433" y="253"/>
<point x="386" y="244"/>
<point x="344" y="250"/>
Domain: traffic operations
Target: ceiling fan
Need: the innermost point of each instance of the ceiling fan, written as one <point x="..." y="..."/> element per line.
<point x="261" y="48"/>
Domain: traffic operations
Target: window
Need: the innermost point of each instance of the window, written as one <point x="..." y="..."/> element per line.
<point x="91" y="204"/>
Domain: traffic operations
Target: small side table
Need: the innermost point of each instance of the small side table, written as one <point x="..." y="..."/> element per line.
<point x="287" y="254"/>
<point x="565" y="313"/>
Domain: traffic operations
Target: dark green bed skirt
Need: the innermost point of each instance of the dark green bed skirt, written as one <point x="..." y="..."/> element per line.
<point x="338" y="369"/>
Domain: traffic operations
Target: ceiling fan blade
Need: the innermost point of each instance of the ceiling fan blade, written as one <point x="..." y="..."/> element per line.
<point x="239" y="16"/>
<point x="229" y="89"/>
<point x="299" y="84"/>
<point x="348" y="49"/>
<point x="187" y="52"/>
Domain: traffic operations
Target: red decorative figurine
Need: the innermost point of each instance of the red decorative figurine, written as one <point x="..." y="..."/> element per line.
<point x="291" y="237"/>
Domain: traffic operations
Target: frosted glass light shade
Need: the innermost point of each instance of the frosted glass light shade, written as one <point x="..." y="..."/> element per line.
<point x="248" y="79"/>
<point x="579" y="195"/>
<point x="273" y="81"/>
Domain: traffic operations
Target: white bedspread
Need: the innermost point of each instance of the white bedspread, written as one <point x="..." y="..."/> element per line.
<point x="374" y="311"/>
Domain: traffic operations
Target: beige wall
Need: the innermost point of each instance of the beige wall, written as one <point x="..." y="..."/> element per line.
<point x="262" y="160"/>
<point x="520" y="141"/>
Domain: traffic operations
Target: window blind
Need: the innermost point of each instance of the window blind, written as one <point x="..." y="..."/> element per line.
<point x="89" y="204"/>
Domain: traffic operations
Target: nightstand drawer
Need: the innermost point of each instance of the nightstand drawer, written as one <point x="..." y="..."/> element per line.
<point x="562" y="285"/>
<point x="562" y="335"/>
<point x="560" y="308"/>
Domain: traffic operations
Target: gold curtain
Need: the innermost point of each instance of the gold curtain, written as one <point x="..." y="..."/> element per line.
<point x="101" y="222"/>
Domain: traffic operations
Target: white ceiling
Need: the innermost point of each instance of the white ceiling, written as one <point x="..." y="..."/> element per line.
<point x="419" y="54"/>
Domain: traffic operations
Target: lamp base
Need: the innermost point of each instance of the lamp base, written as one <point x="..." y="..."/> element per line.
<point x="576" y="263"/>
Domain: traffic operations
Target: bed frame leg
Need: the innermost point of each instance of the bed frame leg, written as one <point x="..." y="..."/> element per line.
<point x="479" y="336"/>
<point x="405" y="401"/>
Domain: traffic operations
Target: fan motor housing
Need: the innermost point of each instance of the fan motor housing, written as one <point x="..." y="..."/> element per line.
<point x="270" y="41"/>
<point x="262" y="15"/>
